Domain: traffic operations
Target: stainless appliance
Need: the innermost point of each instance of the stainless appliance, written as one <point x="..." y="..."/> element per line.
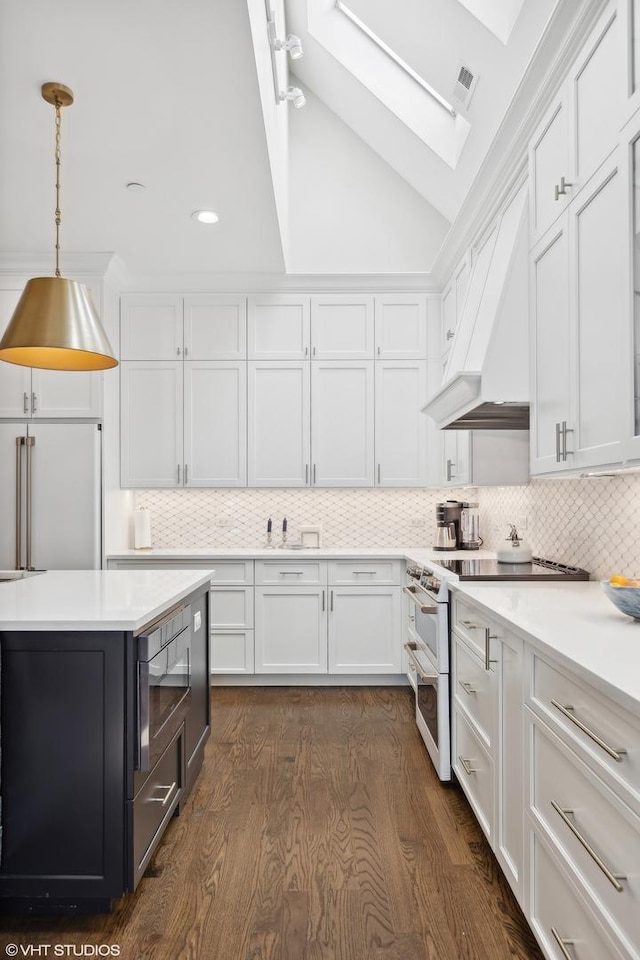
<point x="447" y="525"/>
<point x="491" y="570"/>
<point x="427" y="650"/>
<point x="470" y="538"/>
<point x="50" y="490"/>
<point x="164" y="684"/>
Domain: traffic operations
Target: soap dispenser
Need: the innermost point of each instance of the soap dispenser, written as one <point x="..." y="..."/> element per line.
<point x="517" y="550"/>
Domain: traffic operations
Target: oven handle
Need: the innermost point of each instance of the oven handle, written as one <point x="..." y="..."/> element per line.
<point x="411" y="593"/>
<point x="426" y="677"/>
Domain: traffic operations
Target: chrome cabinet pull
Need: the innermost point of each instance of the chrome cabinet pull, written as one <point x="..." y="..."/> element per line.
<point x="323" y="602"/>
<point x="186" y="351"/>
<point x="450" y="334"/>
<point x="314" y="351"/>
<point x="488" y="637"/>
<point x="34" y="403"/>
<point x="563" y="186"/>
<point x="379" y="473"/>
<point x="186" y="473"/>
<point x="25" y="402"/>
<point x="177" y="351"/>
<point x="163" y="800"/>
<point x="378" y="351"/>
<point x="563" y="943"/>
<point x="314" y="473"/>
<point x="468" y="687"/>
<point x="291" y="573"/>
<point x="469" y="624"/>
<point x="30" y="443"/>
<point x="558" y="451"/>
<point x="306" y="473"/>
<point x="617" y="753"/>
<point x="331" y="602"/>
<point x="564" y="431"/>
<point x="450" y="466"/>
<point x="178" y="474"/>
<point x="363" y="573"/>
<point x="20" y="441"/>
<point x="466" y="763"/>
<point x="306" y="351"/>
<point x="412" y="596"/>
<point x="611" y="877"/>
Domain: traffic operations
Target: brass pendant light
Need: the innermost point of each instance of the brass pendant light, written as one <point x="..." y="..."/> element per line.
<point x="55" y="325"/>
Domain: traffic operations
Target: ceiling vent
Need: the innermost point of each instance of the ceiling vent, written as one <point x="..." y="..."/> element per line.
<point x="465" y="85"/>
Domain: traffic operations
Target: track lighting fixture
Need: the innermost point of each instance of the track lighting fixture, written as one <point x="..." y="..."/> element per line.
<point x="293" y="45"/>
<point x="295" y="95"/>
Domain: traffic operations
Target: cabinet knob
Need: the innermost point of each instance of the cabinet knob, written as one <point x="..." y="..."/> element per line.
<point x="450" y="334"/>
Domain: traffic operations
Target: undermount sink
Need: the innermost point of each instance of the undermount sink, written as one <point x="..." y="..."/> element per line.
<point x="8" y="576"/>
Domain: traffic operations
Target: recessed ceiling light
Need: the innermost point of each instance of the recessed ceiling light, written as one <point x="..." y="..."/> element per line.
<point x="205" y="216"/>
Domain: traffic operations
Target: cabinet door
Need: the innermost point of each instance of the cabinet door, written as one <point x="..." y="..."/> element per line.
<point x="151" y="424"/>
<point x="342" y="431"/>
<point x="548" y="162"/>
<point x="342" y="327"/>
<point x="150" y="327"/>
<point x="365" y="633"/>
<point x="509" y="836"/>
<point x="278" y="327"/>
<point x="291" y="630"/>
<point x="215" y="327"/>
<point x="597" y="269"/>
<point x="215" y="423"/>
<point x="15" y="390"/>
<point x="448" y="317"/>
<point x="457" y="457"/>
<point x="401" y="436"/>
<point x="232" y="651"/>
<point x="550" y="349"/>
<point x="56" y="393"/>
<point x="401" y="327"/>
<point x="279" y="434"/>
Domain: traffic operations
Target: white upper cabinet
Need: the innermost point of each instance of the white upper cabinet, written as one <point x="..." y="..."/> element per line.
<point x="342" y="327"/>
<point x="400" y="427"/>
<point x="215" y="423"/>
<point x="151" y="327"/>
<point x="342" y="432"/>
<point x="30" y="392"/>
<point x="279" y="434"/>
<point x="581" y="128"/>
<point x="401" y="327"/>
<point x="453" y="299"/>
<point x="278" y="327"/>
<point x="151" y="424"/>
<point x="215" y="327"/>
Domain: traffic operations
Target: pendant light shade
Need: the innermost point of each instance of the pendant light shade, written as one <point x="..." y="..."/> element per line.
<point x="55" y="326"/>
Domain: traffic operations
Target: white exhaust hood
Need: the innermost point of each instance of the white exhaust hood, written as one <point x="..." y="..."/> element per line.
<point x="486" y="380"/>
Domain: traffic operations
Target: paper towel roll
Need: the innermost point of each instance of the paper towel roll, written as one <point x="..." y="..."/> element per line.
<point x="141" y="529"/>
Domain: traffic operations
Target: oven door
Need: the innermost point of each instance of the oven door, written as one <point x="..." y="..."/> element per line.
<point x="431" y="624"/>
<point x="164" y="691"/>
<point x="432" y="706"/>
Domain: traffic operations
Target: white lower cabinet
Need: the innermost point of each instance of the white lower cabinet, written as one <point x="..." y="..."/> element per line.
<point x="291" y="629"/>
<point x="232" y="651"/>
<point x="365" y="630"/>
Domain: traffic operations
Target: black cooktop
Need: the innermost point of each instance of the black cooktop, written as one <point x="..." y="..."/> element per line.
<point x="538" y="569"/>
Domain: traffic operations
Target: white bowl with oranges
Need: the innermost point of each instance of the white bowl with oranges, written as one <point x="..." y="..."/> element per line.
<point x="624" y="593"/>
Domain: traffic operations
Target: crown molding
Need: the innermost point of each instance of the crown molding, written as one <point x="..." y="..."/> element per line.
<point x="506" y="161"/>
<point x="24" y="265"/>
<point x="285" y="283"/>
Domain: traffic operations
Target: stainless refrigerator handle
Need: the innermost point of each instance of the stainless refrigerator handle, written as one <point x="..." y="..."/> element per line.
<point x="19" y="445"/>
<point x="30" y="442"/>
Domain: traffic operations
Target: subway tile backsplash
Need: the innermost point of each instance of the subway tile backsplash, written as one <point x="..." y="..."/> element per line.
<point x="593" y="523"/>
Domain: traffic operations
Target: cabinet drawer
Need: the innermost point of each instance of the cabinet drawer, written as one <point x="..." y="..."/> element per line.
<point x="594" y="831"/>
<point x="364" y="572"/>
<point x="470" y="624"/>
<point x="474" y="770"/>
<point x="569" y="706"/>
<point x="231" y="608"/>
<point x="555" y="905"/>
<point x="154" y="805"/>
<point x="231" y="571"/>
<point x="232" y="651"/>
<point x="291" y="572"/>
<point x="475" y="690"/>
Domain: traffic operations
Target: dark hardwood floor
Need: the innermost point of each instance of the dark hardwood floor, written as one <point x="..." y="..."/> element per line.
<point x="317" y="831"/>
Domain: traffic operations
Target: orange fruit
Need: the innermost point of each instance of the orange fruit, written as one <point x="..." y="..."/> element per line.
<point x="617" y="580"/>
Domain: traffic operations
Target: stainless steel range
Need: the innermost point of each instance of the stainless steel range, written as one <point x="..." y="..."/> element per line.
<point x="428" y="641"/>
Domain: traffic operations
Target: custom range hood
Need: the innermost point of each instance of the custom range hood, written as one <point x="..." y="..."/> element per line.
<point x="486" y="380"/>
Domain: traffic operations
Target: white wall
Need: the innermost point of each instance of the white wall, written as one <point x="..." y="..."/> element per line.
<point x="349" y="212"/>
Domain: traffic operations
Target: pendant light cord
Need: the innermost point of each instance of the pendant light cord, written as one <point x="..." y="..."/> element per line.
<point x="58" y="214"/>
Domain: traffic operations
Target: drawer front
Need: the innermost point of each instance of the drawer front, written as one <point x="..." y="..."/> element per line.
<point x="231" y="608"/>
<point x="364" y="572"/>
<point x="291" y="572"/>
<point x="470" y="624"/>
<point x="475" y="689"/>
<point x="597" y="834"/>
<point x="232" y="651"/>
<point x="474" y="770"/>
<point x="154" y="805"/>
<point x="568" y="706"/>
<point x="558" y="913"/>
<point x="232" y="571"/>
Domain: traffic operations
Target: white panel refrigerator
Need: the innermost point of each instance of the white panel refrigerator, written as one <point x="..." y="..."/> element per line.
<point x="50" y="492"/>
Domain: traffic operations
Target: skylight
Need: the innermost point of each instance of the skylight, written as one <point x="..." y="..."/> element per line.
<point x="498" y="16"/>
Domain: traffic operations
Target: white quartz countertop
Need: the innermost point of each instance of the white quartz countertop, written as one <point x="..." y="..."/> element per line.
<point x="414" y="554"/>
<point x="94" y="599"/>
<point x="576" y="624"/>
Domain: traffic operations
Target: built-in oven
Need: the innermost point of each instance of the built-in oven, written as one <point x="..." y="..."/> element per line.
<point x="427" y="653"/>
<point x="164" y="684"/>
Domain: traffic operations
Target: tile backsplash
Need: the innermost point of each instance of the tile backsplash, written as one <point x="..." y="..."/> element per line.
<point x="593" y="523"/>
